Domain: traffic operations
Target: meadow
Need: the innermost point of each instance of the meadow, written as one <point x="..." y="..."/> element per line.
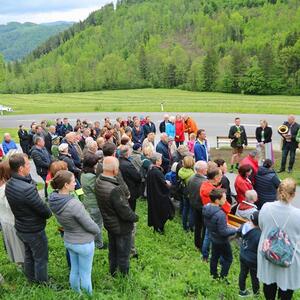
<point x="168" y="267"/>
<point x="150" y="100"/>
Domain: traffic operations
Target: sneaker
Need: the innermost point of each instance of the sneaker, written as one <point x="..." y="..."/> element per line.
<point x="244" y="293"/>
<point x="289" y="171"/>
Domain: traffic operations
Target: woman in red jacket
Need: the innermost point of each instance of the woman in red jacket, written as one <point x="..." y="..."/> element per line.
<point x="179" y="130"/>
<point x="242" y="182"/>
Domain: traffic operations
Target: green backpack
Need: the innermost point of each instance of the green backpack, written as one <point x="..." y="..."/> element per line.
<point x="298" y="136"/>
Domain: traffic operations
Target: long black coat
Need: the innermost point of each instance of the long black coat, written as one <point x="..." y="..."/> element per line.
<point x="160" y="208"/>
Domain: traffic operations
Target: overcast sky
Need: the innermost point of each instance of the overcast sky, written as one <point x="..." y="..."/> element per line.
<point x="41" y="11"/>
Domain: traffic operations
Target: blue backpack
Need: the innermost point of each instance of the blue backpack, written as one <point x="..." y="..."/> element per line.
<point x="277" y="247"/>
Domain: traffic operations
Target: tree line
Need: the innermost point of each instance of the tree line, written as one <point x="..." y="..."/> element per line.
<point x="235" y="46"/>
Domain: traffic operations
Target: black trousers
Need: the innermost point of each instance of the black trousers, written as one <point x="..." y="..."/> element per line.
<point x="270" y="291"/>
<point x="245" y="268"/>
<point x="36" y="255"/>
<point x="199" y="232"/>
<point x="286" y="149"/>
<point x="119" y="247"/>
<point x="218" y="250"/>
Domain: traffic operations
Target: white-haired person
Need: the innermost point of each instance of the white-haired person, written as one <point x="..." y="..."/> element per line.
<point x="247" y="207"/>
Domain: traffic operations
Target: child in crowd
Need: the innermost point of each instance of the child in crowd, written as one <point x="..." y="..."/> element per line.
<point x="216" y="224"/>
<point x="191" y="142"/>
<point x="250" y="234"/>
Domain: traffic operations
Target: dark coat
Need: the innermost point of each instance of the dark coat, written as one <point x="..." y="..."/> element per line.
<point x="266" y="184"/>
<point x="70" y="162"/>
<point x="28" y="208"/>
<point x="138" y="136"/>
<point x="48" y="142"/>
<point x="73" y="152"/>
<point x="163" y="149"/>
<point x="294" y="131"/>
<point x="132" y="179"/>
<point x="149" y="128"/>
<point x="232" y="131"/>
<point x="215" y="222"/>
<point x="160" y="208"/>
<point x="42" y="160"/>
<point x="24" y="137"/>
<point x="118" y="217"/>
<point x="267" y="134"/>
<point x="162" y="126"/>
<point x="225" y="184"/>
<point x="193" y="186"/>
<point x="64" y="129"/>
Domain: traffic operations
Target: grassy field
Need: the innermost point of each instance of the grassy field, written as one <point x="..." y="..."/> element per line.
<point x="168" y="268"/>
<point x="150" y="100"/>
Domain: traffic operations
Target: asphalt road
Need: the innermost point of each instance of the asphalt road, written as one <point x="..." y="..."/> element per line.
<point x="216" y="124"/>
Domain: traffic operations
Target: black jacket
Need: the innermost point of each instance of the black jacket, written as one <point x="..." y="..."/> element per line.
<point x="267" y="134"/>
<point x="266" y="184"/>
<point x="193" y="186"/>
<point x="48" y="142"/>
<point x="231" y="135"/>
<point x="225" y="184"/>
<point x="24" y="137"/>
<point x="163" y="149"/>
<point x="162" y="127"/>
<point x="28" y="208"/>
<point x="250" y="240"/>
<point x="42" y="160"/>
<point x="118" y="217"/>
<point x="149" y="128"/>
<point x="294" y="131"/>
<point x="215" y="222"/>
<point x="132" y="179"/>
<point x="70" y="162"/>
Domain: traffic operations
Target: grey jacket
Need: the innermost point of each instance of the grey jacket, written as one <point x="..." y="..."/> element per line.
<point x="70" y="213"/>
<point x="193" y="186"/>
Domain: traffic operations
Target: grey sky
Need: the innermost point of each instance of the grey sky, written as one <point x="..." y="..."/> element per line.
<point x="40" y="11"/>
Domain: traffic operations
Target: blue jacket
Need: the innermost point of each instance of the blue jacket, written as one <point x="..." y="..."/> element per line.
<point x="170" y="130"/>
<point x="266" y="184"/>
<point x="216" y="223"/>
<point x="8" y="146"/>
<point x="200" y="151"/>
<point x="163" y="149"/>
<point x="138" y="136"/>
<point x="250" y="240"/>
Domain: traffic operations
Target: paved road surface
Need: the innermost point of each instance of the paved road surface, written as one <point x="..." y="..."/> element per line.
<point x="216" y="124"/>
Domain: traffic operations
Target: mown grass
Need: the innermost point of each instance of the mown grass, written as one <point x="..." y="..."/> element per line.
<point x="141" y="100"/>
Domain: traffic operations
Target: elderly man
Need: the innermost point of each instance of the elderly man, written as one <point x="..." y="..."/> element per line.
<point x="8" y="144"/>
<point x="30" y="217"/>
<point x="71" y="139"/>
<point x="162" y="125"/>
<point x="149" y="141"/>
<point x="194" y="185"/>
<point x="290" y="144"/>
<point x="163" y="148"/>
<point x="117" y="215"/>
<point x="247" y="207"/>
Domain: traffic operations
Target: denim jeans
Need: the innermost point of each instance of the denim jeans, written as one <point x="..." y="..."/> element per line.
<point x="97" y="218"/>
<point x="81" y="265"/>
<point x="187" y="215"/>
<point x="245" y="268"/>
<point x="36" y="255"/>
<point x="206" y="245"/>
<point x="218" y="251"/>
<point x="288" y="148"/>
<point x="119" y="252"/>
<point x="270" y="291"/>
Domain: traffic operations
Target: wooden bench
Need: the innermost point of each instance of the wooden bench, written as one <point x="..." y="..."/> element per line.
<point x="222" y="139"/>
<point x="235" y="221"/>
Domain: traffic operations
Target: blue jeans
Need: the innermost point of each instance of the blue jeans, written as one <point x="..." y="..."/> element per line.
<point x="81" y="265"/>
<point x="187" y="215"/>
<point x="206" y="245"/>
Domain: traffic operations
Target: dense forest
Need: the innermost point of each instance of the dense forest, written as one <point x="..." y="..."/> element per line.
<point x="19" y="39"/>
<point x="234" y="46"/>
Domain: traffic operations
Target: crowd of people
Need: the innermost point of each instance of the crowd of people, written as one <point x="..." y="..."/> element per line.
<point x="94" y="176"/>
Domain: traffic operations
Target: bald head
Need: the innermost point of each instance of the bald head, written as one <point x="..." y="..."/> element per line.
<point x="291" y="119"/>
<point x="110" y="166"/>
<point x="71" y="137"/>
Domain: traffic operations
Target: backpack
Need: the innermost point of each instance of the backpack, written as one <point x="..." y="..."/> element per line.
<point x="277" y="247"/>
<point x="298" y="136"/>
<point x="182" y="187"/>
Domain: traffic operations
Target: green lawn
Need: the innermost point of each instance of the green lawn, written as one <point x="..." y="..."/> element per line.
<point x="168" y="268"/>
<point x="150" y="100"/>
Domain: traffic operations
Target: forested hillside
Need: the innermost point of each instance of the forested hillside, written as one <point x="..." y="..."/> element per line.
<point x="18" y="40"/>
<point x="249" y="46"/>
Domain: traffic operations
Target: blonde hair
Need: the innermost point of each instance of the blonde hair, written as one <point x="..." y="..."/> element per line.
<point x="188" y="162"/>
<point x="287" y="189"/>
<point x="192" y="136"/>
<point x="148" y="151"/>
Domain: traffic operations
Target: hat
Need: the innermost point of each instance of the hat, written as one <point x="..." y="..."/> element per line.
<point x="254" y="218"/>
<point x="183" y="150"/>
<point x="137" y="146"/>
<point x="62" y="147"/>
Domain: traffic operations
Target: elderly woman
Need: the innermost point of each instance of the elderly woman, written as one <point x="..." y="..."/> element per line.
<point x="284" y="215"/>
<point x="160" y="208"/>
<point x="13" y="245"/>
<point x="247" y="207"/>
